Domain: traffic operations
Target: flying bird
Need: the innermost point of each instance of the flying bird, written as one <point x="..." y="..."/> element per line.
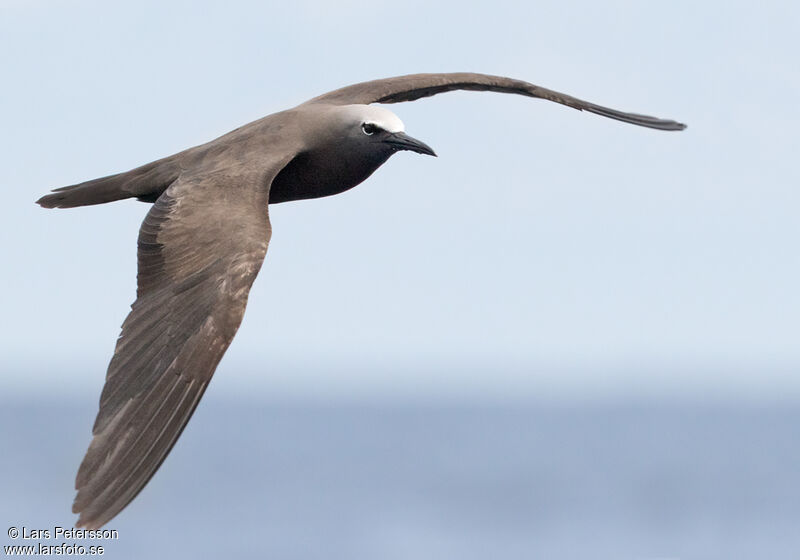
<point x="204" y="240"/>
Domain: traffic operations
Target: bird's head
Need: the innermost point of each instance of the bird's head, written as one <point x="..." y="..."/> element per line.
<point x="376" y="130"/>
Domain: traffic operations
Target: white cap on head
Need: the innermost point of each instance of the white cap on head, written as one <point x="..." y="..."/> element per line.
<point x="373" y="114"/>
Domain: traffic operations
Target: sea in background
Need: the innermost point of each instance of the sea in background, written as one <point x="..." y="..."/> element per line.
<point x="399" y="480"/>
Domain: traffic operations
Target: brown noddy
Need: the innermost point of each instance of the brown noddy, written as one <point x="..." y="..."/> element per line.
<point x="202" y="244"/>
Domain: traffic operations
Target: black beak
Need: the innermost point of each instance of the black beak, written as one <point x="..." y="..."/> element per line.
<point x="402" y="141"/>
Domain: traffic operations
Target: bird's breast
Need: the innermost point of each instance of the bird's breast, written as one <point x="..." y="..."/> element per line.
<point x="314" y="175"/>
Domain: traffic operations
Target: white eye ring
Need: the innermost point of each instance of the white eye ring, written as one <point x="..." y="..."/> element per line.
<point x="369" y="128"/>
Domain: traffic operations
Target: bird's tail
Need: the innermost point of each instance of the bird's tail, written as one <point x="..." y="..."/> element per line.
<point x="145" y="183"/>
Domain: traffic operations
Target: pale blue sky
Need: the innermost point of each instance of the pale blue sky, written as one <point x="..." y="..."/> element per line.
<point x="545" y="252"/>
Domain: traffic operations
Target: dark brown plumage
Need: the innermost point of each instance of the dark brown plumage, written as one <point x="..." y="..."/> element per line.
<point x="202" y="244"/>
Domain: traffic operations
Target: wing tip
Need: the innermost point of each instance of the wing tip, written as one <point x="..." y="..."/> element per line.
<point x="85" y="520"/>
<point x="93" y="513"/>
<point x="88" y="523"/>
<point x="665" y="124"/>
<point x="634" y="118"/>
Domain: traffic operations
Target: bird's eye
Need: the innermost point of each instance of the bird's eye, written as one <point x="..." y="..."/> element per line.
<point x="369" y="128"/>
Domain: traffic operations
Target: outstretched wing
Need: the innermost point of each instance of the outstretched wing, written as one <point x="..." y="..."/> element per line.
<point x="416" y="86"/>
<point x="200" y="248"/>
